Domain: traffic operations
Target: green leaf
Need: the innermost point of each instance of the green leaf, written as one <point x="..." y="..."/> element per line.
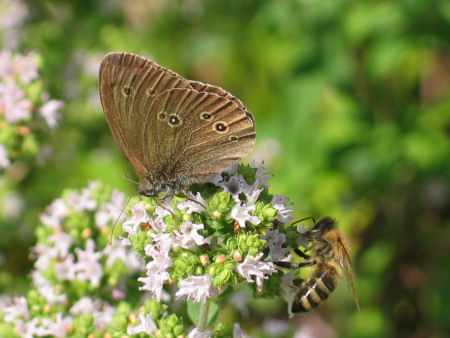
<point x="193" y="310"/>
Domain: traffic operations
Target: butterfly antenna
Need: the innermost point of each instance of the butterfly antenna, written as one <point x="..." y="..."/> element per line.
<point x="117" y="219"/>
<point x="127" y="177"/>
<point x="161" y="199"/>
<point x="192" y="200"/>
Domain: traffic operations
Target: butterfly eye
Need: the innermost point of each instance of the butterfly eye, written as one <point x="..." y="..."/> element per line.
<point x="126" y="91"/>
<point x="220" y="127"/>
<point x="205" y="116"/>
<point x="174" y="120"/>
<point x="233" y="138"/>
<point x="162" y="116"/>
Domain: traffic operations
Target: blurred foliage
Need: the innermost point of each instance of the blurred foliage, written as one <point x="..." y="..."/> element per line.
<point x="354" y="94"/>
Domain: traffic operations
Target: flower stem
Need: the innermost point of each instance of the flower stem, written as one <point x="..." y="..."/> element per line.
<point x="203" y="317"/>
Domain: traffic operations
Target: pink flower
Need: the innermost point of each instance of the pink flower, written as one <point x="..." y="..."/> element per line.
<point x="62" y="242"/>
<point x="13" y="308"/>
<point x="160" y="249"/>
<point x="67" y="269"/>
<point x="82" y="200"/>
<point x="46" y="289"/>
<point x="131" y="226"/>
<point x="116" y="251"/>
<point x="4" y="160"/>
<point x="13" y="103"/>
<point x="110" y="211"/>
<point x="253" y="267"/>
<point x="101" y="311"/>
<point x="188" y="236"/>
<point x="87" y="267"/>
<point x="55" y="213"/>
<point x="56" y="328"/>
<point x="5" y="63"/>
<point x="197" y="288"/>
<point x="275" y="327"/>
<point x="146" y="325"/>
<point x="26" y="67"/>
<point x="12" y="15"/>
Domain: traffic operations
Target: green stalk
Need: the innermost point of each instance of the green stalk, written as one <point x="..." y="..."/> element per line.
<point x="203" y="317"/>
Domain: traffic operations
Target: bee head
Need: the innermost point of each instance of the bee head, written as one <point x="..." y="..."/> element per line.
<point x="323" y="225"/>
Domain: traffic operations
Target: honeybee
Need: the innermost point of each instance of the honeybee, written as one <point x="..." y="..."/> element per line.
<point x="330" y="255"/>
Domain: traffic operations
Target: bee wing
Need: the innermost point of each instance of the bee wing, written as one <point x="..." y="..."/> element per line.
<point x="347" y="266"/>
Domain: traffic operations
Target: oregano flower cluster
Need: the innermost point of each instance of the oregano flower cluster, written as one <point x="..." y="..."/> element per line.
<point x="197" y="247"/>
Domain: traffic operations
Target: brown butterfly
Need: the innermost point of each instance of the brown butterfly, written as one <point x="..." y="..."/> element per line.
<point x="174" y="132"/>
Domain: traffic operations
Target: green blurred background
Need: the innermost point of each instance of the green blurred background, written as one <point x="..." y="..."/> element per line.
<point x="352" y="108"/>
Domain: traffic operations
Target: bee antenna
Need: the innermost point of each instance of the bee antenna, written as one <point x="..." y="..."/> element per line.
<point x="304" y="219"/>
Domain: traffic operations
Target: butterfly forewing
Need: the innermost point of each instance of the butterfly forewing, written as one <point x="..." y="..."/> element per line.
<point x="170" y="129"/>
<point x="194" y="146"/>
<point x="127" y="85"/>
<point x="205" y="87"/>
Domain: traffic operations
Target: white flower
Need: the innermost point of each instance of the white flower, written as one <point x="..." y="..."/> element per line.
<point x="154" y="282"/>
<point x="289" y="290"/>
<point x="195" y="203"/>
<point x="197" y="288"/>
<point x="4" y="160"/>
<point x="146" y="325"/>
<point x="196" y="333"/>
<point x="238" y="332"/>
<point x="284" y="213"/>
<point x="262" y="175"/>
<point x="50" y="112"/>
<point x="241" y="214"/>
<point x="131" y="226"/>
<point x="275" y="242"/>
<point x="252" y="266"/>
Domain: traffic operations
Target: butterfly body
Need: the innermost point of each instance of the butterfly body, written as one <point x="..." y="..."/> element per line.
<point x="174" y="132"/>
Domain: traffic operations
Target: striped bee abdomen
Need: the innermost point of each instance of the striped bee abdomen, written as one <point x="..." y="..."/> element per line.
<point x="316" y="289"/>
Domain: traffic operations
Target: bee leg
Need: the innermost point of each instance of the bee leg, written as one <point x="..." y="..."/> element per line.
<point x="294" y="265"/>
<point x="323" y="240"/>
<point x="301" y="253"/>
<point x="305" y="264"/>
<point x="289" y="265"/>
<point x="286" y="265"/>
